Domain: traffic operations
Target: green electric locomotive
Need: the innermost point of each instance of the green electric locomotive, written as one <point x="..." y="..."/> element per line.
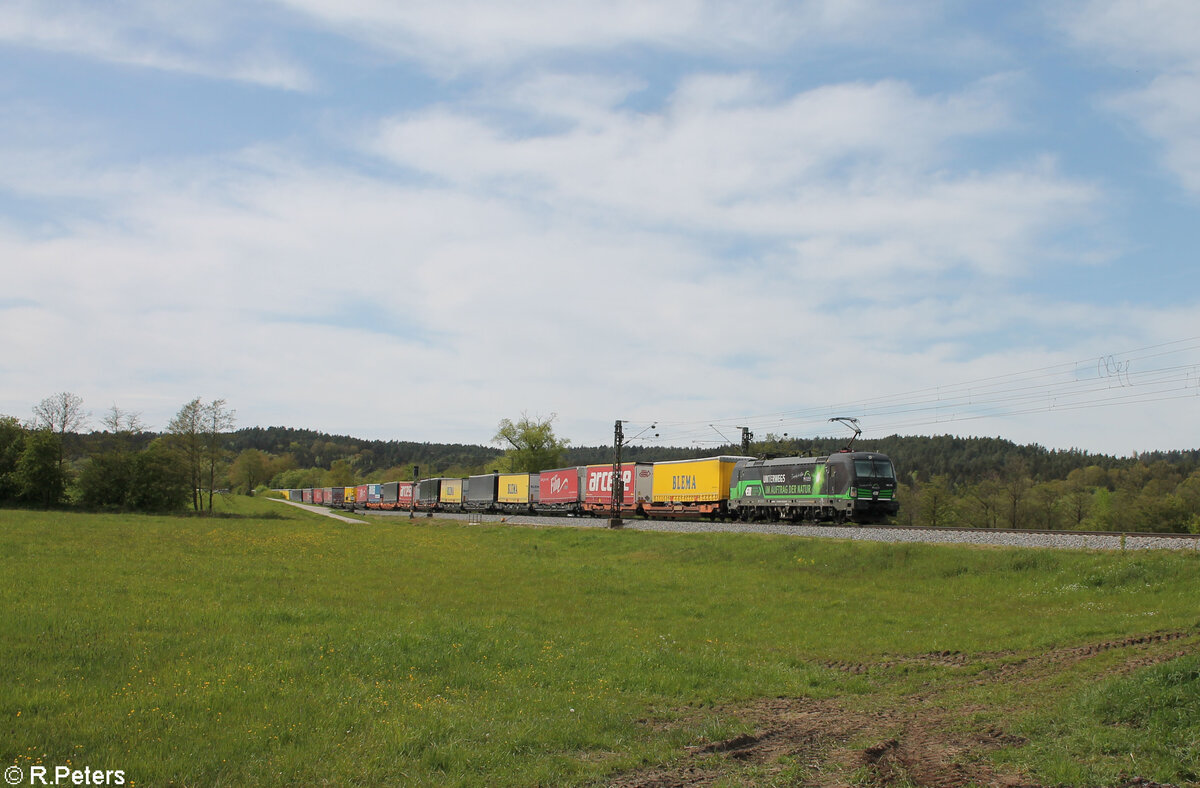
<point x="854" y="486"/>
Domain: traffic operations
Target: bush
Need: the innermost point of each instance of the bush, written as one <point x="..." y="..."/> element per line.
<point x="40" y="478"/>
<point x="105" y="481"/>
<point x="160" y="481"/>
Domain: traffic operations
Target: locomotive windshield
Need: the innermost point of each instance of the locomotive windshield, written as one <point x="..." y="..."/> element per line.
<point x="877" y="468"/>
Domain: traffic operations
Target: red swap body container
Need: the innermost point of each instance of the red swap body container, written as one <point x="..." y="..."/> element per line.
<point x="637" y="478"/>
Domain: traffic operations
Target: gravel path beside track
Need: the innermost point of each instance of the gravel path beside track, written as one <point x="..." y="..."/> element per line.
<point x="1066" y="540"/>
<point x="308" y="507"/>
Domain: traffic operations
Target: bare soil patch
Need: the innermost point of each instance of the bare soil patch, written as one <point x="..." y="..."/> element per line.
<point x="910" y="741"/>
<point x="835" y="746"/>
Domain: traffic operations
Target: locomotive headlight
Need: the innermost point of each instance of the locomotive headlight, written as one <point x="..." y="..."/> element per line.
<point x="853" y="492"/>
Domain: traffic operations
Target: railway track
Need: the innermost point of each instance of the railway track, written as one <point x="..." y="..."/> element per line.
<point x="1067" y="540"/>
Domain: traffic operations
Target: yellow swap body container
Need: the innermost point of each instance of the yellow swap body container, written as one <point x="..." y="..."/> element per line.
<point x="452" y="491"/>
<point x="513" y="488"/>
<point x="349" y="496"/>
<point x="700" y="485"/>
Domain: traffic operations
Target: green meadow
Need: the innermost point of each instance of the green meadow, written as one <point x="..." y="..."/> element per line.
<point x="276" y="647"/>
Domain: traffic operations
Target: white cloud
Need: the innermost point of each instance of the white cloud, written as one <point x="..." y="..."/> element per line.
<point x="176" y="37"/>
<point x="279" y="286"/>
<point x="1135" y="33"/>
<point x="459" y="35"/>
<point x="1157" y="39"/>
<point x="861" y="166"/>
<point x="1168" y="111"/>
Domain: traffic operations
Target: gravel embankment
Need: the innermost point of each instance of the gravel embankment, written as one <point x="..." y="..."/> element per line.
<point x="1057" y="539"/>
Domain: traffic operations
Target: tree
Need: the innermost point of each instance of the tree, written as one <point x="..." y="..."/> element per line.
<point x="122" y="424"/>
<point x="61" y="413"/>
<point x="532" y="444"/>
<point x="161" y="483"/>
<point x="299" y="478"/>
<point x="12" y="444"/>
<point x="340" y="474"/>
<point x="1077" y="498"/>
<point x="107" y="479"/>
<point x="1046" y="500"/>
<point x="250" y="469"/>
<point x="198" y="434"/>
<point x="936" y="502"/>
<point x="984" y="504"/>
<point x="187" y="435"/>
<point x="217" y="421"/>
<point x="908" y="494"/>
<point x="1016" y="485"/>
<point x="39" y="476"/>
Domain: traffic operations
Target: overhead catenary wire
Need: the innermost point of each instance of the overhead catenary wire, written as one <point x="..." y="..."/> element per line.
<point x="1107" y="380"/>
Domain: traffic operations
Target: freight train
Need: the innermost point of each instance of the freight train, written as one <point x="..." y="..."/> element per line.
<point x="850" y="486"/>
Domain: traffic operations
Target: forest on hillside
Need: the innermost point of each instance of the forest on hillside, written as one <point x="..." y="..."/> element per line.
<point x="965" y="460"/>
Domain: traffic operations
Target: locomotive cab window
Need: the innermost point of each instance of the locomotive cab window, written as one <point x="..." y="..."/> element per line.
<point x="874" y="469"/>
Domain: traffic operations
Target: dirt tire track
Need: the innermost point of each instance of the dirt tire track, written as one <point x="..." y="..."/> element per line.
<point x="1074" y="654"/>
<point x="1065" y="655"/>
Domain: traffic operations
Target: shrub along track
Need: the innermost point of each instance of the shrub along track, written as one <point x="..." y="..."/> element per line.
<point x="931" y="737"/>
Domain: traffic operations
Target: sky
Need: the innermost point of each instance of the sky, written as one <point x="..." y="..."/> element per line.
<point x="411" y="220"/>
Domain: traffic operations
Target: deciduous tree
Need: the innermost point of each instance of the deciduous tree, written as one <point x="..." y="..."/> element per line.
<point x="532" y="444"/>
<point x="217" y="421"/>
<point x="340" y="474"/>
<point x="107" y="478"/>
<point x="12" y="443"/>
<point x="198" y="432"/>
<point x="39" y="476"/>
<point x="936" y="502"/>
<point x="187" y="431"/>
<point x="61" y="413"/>
<point x="161" y="482"/>
<point x="249" y="469"/>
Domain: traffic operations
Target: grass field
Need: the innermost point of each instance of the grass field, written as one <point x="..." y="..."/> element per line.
<point x="278" y="648"/>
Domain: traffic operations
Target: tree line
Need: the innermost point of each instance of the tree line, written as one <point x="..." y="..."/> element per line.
<point x="48" y="461"/>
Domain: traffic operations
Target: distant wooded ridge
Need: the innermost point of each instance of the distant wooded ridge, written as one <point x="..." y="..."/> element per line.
<point x="964" y="460"/>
